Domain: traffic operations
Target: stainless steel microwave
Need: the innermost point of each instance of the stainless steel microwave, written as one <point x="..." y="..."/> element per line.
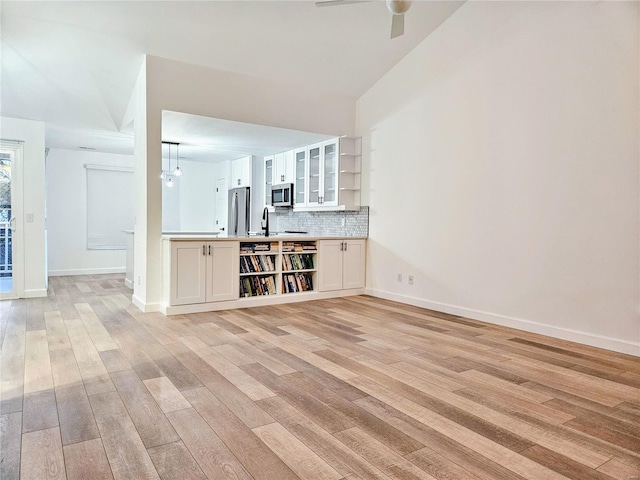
<point x="282" y="195"/>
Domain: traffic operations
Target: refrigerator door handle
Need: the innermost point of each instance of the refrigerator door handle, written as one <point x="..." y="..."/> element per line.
<point x="235" y="213"/>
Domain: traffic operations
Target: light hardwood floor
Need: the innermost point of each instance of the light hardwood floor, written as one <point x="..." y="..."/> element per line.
<point x="91" y="388"/>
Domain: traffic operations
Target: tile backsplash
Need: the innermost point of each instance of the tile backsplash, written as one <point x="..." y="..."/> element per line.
<point x="356" y="224"/>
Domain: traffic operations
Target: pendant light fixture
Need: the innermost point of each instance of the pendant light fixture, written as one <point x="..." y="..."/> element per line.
<point x="177" y="172"/>
<point x="167" y="175"/>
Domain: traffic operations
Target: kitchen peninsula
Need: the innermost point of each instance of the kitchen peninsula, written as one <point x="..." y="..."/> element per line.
<point x="207" y="273"/>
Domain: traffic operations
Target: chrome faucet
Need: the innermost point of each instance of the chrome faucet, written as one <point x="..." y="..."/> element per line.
<point x="265" y="221"/>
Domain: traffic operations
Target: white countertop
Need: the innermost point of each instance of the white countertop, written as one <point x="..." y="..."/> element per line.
<point x="257" y="238"/>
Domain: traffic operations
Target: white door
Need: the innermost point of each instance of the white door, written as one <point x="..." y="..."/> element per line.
<point x="330" y="265"/>
<point x="353" y="264"/>
<point x="222" y="271"/>
<point x="188" y="272"/>
<point x="11" y="221"/>
<point x="221" y="204"/>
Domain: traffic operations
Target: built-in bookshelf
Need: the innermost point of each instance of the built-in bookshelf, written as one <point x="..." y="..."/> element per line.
<point x="298" y="266"/>
<point x="259" y="268"/>
<point x="269" y="268"/>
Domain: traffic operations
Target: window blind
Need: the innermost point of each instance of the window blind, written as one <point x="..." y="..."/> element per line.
<point x="110" y="206"/>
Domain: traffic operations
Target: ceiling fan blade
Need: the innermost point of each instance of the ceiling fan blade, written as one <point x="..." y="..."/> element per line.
<point x="333" y="3"/>
<point x="397" y="25"/>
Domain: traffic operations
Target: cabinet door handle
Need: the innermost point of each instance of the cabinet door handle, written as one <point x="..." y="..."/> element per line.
<point x="341" y="246"/>
<point x="204" y="252"/>
<point x="345" y="246"/>
<point x="209" y="250"/>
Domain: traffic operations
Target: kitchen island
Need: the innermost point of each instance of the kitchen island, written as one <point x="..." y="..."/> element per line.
<point x="207" y="273"/>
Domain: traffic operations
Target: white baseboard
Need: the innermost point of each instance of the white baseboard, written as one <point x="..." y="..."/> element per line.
<point x="258" y="301"/>
<point x="600" y="341"/>
<point x="128" y="283"/>
<point x="145" y="307"/>
<point x="36" y="293"/>
<point x="86" y="271"/>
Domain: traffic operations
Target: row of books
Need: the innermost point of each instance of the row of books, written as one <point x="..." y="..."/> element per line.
<point x="254" y="286"/>
<point x="298" y="246"/>
<point x="257" y="263"/>
<point x="297" y="261"/>
<point x="296" y="282"/>
<point x="258" y="247"/>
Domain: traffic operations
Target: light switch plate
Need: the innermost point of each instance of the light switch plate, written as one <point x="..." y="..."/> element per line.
<point x="29" y="217"/>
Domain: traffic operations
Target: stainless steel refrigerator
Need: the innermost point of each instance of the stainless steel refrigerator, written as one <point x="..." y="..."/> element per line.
<point x="239" y="211"/>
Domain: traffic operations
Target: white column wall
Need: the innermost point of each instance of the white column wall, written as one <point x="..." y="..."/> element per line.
<point x="170" y="85"/>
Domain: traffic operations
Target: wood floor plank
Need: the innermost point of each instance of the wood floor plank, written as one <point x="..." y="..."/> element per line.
<point x="99" y="335"/>
<point x="330" y="449"/>
<point x="39" y="411"/>
<point x="154" y="429"/>
<point x="37" y="366"/>
<point x="65" y="369"/>
<point x="470" y="439"/>
<point x="241" y="405"/>
<point x="307" y="464"/>
<point x="42" y="455"/>
<point x="56" y="331"/>
<point x="12" y="365"/>
<point x="77" y="423"/>
<point x="87" y="460"/>
<point x="10" y="442"/>
<point x="438" y="443"/>
<point x="95" y="377"/>
<point x="114" y="360"/>
<point x="364" y="387"/>
<point x="212" y="455"/>
<point x="174" y="462"/>
<point x="392" y="464"/>
<point x="259" y="460"/>
<point x="166" y="395"/>
<point x="252" y="388"/>
<point x="330" y="420"/>
<point x="125" y="451"/>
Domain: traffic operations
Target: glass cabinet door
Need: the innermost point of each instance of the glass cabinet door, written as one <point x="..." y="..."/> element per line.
<point x="330" y="173"/>
<point x="268" y="179"/>
<point x="301" y="177"/>
<point x="314" y="175"/>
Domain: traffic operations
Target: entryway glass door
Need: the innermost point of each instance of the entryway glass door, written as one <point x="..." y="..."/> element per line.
<point x="10" y="216"/>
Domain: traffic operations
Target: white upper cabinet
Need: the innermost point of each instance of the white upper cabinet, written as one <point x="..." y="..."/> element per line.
<point x="278" y="168"/>
<point x="328" y="175"/>
<point x="283" y="168"/>
<point x="241" y="172"/>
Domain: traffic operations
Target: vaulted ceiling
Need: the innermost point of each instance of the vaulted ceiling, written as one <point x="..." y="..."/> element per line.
<point x="73" y="64"/>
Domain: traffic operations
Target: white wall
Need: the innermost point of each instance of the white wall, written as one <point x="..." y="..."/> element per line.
<point x="67" y="214"/>
<point x="31" y="133"/>
<point x="169" y="85"/>
<point x="512" y="135"/>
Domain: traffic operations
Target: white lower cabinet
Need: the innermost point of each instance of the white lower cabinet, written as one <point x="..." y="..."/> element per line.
<point x="203" y="272"/>
<point x="341" y="264"/>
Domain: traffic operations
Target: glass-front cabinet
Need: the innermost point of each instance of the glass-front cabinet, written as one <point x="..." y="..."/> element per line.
<point x="330" y="173"/>
<point x="301" y="176"/>
<point x="327" y="174"/>
<point x="313" y="176"/>
<point x="268" y="179"/>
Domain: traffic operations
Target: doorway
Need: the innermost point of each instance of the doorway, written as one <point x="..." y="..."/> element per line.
<point x="221" y="204"/>
<point x="11" y="285"/>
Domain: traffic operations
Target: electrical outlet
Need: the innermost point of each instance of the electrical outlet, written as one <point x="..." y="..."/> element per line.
<point x="410" y="279"/>
<point x="344" y="222"/>
<point x="399" y="278"/>
<point x="138" y="279"/>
